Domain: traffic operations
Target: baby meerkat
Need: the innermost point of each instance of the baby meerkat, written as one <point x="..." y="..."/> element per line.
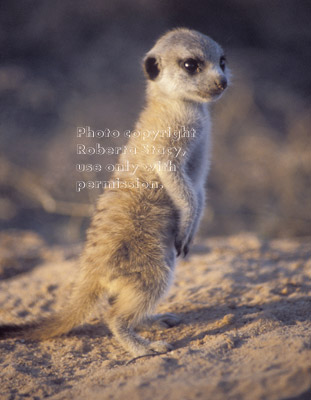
<point x="137" y="232"/>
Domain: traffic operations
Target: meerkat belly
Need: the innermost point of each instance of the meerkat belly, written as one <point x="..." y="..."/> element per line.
<point x="133" y="222"/>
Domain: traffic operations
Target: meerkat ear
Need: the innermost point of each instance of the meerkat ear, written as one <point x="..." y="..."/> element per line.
<point x="152" y="67"/>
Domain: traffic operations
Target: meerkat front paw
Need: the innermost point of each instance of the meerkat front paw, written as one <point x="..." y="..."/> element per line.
<point x="186" y="247"/>
<point x="182" y="247"/>
<point x="185" y="250"/>
<point x="178" y="246"/>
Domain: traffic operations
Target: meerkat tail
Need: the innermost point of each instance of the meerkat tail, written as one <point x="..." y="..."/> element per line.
<point x="83" y="298"/>
<point x="80" y="304"/>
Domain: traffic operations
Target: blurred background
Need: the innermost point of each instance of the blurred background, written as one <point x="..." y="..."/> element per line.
<point x="78" y="63"/>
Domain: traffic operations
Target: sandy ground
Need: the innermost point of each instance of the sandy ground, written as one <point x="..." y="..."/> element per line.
<point x="246" y="331"/>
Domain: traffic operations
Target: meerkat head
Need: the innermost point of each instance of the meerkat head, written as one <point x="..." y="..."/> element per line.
<point x="186" y="65"/>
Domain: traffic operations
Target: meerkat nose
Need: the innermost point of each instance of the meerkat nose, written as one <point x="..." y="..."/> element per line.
<point x="221" y="83"/>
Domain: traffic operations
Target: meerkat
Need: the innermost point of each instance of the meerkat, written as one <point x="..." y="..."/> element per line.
<point x="137" y="233"/>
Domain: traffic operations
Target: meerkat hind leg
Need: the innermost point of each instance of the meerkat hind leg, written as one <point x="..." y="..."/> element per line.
<point x="128" y="310"/>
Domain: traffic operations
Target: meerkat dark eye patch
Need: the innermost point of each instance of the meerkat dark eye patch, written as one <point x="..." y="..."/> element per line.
<point x="152" y="68"/>
<point x="191" y="65"/>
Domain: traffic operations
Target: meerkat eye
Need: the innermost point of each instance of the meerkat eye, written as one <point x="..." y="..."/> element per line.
<point x="222" y="62"/>
<point x="191" y="65"/>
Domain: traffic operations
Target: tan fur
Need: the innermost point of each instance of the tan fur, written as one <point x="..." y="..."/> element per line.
<point x="136" y="233"/>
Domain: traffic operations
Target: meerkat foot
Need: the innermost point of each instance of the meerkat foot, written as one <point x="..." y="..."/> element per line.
<point x="142" y="347"/>
<point x="160" y="346"/>
<point x="154" y="348"/>
<point x="134" y="343"/>
<point x="167" y="320"/>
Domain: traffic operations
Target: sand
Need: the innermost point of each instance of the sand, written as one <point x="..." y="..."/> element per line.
<point x="245" y="305"/>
